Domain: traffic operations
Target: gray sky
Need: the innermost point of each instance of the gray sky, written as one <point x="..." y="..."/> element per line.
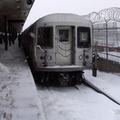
<point x="80" y="7"/>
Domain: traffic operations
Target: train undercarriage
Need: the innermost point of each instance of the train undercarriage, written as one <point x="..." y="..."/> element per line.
<point x="60" y="78"/>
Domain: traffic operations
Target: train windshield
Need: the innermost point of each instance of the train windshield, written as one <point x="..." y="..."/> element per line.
<point x="83" y="34"/>
<point x="63" y="35"/>
<point x="45" y="37"/>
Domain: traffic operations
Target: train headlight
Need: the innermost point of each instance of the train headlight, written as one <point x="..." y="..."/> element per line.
<point x="80" y="57"/>
<point x="49" y="57"/>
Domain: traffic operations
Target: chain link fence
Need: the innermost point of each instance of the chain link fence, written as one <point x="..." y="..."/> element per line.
<point x="106" y="35"/>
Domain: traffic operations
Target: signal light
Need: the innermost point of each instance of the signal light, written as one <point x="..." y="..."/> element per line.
<point x="49" y="57"/>
<point x="80" y="57"/>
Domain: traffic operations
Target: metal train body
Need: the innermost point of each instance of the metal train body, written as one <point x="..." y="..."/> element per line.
<point x="59" y="46"/>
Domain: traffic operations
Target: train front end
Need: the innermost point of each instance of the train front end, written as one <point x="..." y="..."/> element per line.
<point x="63" y="48"/>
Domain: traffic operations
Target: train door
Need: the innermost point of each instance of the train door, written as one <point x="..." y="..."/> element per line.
<point x="64" y="46"/>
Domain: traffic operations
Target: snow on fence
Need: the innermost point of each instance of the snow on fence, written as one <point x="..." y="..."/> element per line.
<point x="113" y="56"/>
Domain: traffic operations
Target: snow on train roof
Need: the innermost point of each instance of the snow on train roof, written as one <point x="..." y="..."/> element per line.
<point x="63" y="17"/>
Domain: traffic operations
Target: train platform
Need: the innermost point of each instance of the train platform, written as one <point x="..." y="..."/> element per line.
<point x="18" y="94"/>
<point x="109" y="83"/>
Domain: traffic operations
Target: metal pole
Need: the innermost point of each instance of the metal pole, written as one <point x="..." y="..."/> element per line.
<point x="95" y="61"/>
<point x="19" y="40"/>
<point x="9" y="31"/>
<point x="6" y="41"/>
<point x="107" y="46"/>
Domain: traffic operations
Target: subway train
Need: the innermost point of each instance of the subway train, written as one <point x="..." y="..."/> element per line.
<point x="59" y="48"/>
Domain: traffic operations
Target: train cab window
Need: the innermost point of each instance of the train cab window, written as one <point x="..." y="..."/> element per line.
<point x="45" y="37"/>
<point x="63" y="35"/>
<point x="83" y="34"/>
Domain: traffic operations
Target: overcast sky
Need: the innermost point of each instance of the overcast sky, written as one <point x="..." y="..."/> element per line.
<point x="81" y="7"/>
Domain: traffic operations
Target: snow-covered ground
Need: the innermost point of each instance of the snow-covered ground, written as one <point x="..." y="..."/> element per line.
<point x="18" y="95"/>
<point x="68" y="103"/>
<point x="107" y="82"/>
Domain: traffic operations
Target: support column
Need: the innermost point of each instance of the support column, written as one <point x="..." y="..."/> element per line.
<point x="6" y="39"/>
<point x="19" y="40"/>
<point x="9" y="31"/>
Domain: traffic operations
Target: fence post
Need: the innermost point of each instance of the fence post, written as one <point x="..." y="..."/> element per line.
<point x="106" y="46"/>
<point x="94" y="71"/>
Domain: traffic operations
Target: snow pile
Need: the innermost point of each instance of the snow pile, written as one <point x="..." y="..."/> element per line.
<point x="18" y="96"/>
<point x="68" y="103"/>
<point x="3" y="68"/>
<point x="107" y="82"/>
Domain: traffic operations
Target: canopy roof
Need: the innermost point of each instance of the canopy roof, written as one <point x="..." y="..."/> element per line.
<point x="14" y="13"/>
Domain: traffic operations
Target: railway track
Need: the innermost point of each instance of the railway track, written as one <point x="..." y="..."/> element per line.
<point x="95" y="88"/>
<point x="89" y="84"/>
<point x="68" y="102"/>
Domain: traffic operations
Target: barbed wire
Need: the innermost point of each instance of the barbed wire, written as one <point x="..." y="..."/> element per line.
<point x="105" y="15"/>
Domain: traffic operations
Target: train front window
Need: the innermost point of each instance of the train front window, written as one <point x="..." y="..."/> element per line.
<point x="63" y="35"/>
<point x="83" y="34"/>
<point x="45" y="37"/>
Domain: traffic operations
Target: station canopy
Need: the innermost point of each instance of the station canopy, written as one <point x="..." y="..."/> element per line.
<point x="13" y="14"/>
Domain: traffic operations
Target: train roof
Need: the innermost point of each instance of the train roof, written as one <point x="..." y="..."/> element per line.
<point x="63" y="17"/>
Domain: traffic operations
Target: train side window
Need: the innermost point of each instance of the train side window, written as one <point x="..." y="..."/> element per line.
<point x="45" y="37"/>
<point x="83" y="34"/>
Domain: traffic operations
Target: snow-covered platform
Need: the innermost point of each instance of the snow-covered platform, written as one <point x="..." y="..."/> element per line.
<point x="18" y="94"/>
<point x="107" y="82"/>
<point x="69" y="103"/>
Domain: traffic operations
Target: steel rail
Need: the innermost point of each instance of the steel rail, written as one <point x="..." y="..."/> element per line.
<point x="89" y="84"/>
<point x="98" y="90"/>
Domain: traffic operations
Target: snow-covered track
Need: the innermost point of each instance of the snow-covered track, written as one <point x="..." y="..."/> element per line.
<point x="89" y="84"/>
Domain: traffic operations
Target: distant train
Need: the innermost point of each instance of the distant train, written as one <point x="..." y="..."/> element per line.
<point x="59" y="48"/>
